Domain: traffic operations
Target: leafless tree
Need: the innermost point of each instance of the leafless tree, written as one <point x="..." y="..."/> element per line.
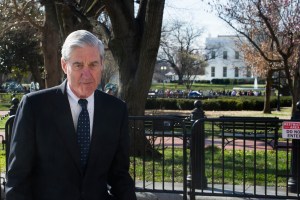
<point x="179" y="46"/>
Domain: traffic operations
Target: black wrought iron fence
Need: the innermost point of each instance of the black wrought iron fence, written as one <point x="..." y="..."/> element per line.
<point x="226" y="156"/>
<point x="243" y="157"/>
<point x="161" y="155"/>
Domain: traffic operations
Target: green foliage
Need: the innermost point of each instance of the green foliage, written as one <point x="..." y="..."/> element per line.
<point x="183" y="104"/>
<point x="221" y="103"/>
<point x="2" y="122"/>
<point x="5" y="98"/>
<point x="236" y="81"/>
<point x="2" y="160"/>
<point x="19" y="50"/>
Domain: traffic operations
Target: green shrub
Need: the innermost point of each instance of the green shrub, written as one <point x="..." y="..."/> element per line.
<point x="185" y="104"/>
<point x="211" y="105"/>
<point x="220" y="103"/>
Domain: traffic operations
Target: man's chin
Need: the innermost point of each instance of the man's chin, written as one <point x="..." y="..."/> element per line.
<point x="85" y="92"/>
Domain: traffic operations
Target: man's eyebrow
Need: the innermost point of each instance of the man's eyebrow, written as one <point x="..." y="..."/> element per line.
<point x="94" y="63"/>
<point x="81" y="63"/>
<point x="77" y="62"/>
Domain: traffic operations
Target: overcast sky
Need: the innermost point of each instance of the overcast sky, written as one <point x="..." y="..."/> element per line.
<point x="196" y="12"/>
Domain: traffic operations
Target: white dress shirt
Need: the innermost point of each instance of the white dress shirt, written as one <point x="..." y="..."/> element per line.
<point x="76" y="108"/>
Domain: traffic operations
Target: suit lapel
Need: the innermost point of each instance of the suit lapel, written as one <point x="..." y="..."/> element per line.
<point x="66" y="126"/>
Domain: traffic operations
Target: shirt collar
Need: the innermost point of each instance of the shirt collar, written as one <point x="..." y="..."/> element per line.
<point x="75" y="99"/>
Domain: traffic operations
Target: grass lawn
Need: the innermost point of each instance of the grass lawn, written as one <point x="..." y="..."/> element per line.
<point x="258" y="167"/>
<point x="2" y="160"/>
<point x="2" y="122"/>
<point x="229" y="173"/>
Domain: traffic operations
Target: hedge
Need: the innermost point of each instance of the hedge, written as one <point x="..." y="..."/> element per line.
<point x="220" y="103"/>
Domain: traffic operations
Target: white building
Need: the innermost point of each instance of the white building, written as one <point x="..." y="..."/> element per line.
<point x="225" y="60"/>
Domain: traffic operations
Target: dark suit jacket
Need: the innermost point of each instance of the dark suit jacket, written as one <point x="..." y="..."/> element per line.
<point x="44" y="158"/>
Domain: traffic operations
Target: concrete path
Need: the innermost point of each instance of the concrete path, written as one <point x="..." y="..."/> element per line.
<point x="218" y="188"/>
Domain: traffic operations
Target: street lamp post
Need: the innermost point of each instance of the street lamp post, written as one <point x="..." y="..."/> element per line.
<point x="163" y="70"/>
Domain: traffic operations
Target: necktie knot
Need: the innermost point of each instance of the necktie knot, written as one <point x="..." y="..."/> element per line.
<point x="83" y="103"/>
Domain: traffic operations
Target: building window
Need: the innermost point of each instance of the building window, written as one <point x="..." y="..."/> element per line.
<point x="237" y="55"/>
<point x="236" y="72"/>
<point x="213" y="70"/>
<point x="213" y="55"/>
<point x="224" y="71"/>
<point x="248" y="73"/>
<point x="224" y="54"/>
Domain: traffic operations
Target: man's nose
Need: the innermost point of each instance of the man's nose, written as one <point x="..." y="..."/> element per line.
<point x="86" y="72"/>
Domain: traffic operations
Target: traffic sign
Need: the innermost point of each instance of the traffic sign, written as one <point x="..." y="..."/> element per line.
<point x="291" y="130"/>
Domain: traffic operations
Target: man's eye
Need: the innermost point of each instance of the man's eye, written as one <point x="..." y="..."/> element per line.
<point x="94" y="66"/>
<point x="77" y="67"/>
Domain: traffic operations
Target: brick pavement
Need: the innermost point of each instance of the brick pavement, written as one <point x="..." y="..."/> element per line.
<point x="237" y="144"/>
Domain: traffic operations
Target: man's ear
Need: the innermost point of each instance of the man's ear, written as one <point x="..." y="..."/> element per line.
<point x="63" y="65"/>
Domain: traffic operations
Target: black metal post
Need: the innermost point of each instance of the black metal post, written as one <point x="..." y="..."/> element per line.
<point x="278" y="90"/>
<point x="14" y="106"/>
<point x="293" y="184"/>
<point x="199" y="179"/>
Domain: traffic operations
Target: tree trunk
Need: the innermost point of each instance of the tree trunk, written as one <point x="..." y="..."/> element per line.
<point x="51" y="45"/>
<point x="134" y="46"/>
<point x="296" y="87"/>
<point x="180" y="80"/>
<point x="269" y="81"/>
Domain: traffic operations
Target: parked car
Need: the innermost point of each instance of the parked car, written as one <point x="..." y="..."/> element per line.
<point x="194" y="95"/>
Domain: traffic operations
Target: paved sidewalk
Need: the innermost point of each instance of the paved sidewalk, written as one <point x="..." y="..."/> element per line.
<point x="3" y="113"/>
<point x="217" y="189"/>
<point x="238" y="189"/>
<point x="165" y="196"/>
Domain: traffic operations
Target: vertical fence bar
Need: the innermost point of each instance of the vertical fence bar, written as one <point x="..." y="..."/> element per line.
<point x="244" y="159"/>
<point x="163" y="160"/>
<point x="184" y="135"/>
<point x="223" y="158"/>
<point x="213" y="155"/>
<point x="153" y="156"/>
<point x="255" y="161"/>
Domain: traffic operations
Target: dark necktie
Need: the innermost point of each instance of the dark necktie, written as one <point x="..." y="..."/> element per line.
<point x="83" y="132"/>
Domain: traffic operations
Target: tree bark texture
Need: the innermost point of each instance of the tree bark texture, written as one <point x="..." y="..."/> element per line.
<point x="51" y="45"/>
<point x="134" y="46"/>
<point x="269" y="81"/>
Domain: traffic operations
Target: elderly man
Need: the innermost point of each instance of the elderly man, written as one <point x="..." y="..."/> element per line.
<point x="71" y="142"/>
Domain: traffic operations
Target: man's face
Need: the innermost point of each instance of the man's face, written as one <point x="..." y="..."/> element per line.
<point x="83" y="70"/>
